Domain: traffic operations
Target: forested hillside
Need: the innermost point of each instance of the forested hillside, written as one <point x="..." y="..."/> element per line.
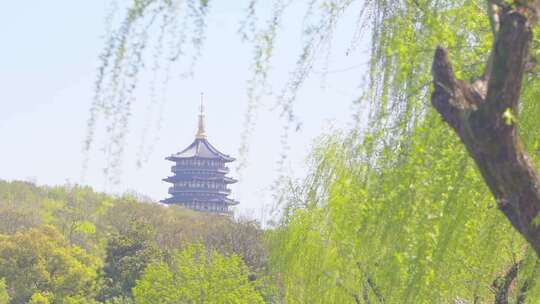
<point x="70" y="244"/>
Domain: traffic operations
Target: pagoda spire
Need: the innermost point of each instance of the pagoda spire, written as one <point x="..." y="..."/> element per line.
<point x="201" y="132"/>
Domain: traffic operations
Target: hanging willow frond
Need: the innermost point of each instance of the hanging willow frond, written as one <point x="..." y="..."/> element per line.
<point x="176" y="25"/>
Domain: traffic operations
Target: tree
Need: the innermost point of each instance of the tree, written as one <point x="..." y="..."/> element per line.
<point x="40" y="261"/>
<point x="242" y="237"/>
<point x="485" y="114"/>
<point x="157" y="285"/>
<point x="423" y="230"/>
<point x="76" y="215"/>
<point x="15" y="218"/>
<point x="120" y="300"/>
<point x="16" y="210"/>
<point x="40" y="298"/>
<point x="197" y="276"/>
<point x="127" y="256"/>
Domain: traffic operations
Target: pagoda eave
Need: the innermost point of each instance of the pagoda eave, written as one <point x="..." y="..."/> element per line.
<point x="174" y="201"/>
<point x="209" y="192"/>
<point x="231" y="202"/>
<point x="178" y="158"/>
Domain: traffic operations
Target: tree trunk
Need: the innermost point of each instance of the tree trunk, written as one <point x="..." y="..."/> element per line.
<point x="483" y="114"/>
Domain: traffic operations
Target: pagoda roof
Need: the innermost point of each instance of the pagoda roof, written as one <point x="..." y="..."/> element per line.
<point x="201" y="148"/>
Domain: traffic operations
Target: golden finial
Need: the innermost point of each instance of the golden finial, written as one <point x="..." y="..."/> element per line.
<point x="201" y="132"/>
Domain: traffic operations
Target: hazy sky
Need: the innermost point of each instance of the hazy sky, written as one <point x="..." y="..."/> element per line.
<point x="48" y="64"/>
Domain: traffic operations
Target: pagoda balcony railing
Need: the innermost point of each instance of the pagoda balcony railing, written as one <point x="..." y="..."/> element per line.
<point x="180" y="168"/>
<point x="175" y="189"/>
<point x="195" y="163"/>
<point x="220" y="211"/>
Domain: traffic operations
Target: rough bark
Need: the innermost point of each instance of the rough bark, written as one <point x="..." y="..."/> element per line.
<point x="484" y="114"/>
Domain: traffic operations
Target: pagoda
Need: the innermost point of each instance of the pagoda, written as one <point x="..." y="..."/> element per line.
<point x="199" y="180"/>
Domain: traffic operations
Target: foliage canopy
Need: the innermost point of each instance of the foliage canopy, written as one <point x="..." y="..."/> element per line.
<point x="43" y="260"/>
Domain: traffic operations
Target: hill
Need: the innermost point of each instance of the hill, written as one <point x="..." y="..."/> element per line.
<point x="70" y="244"/>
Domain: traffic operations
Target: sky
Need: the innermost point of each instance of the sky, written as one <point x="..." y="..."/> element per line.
<point x="48" y="64"/>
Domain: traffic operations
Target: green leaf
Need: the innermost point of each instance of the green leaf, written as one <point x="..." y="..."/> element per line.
<point x="508" y="116"/>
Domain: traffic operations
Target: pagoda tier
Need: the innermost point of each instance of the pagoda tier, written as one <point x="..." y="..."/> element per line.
<point x="188" y="177"/>
<point x="199" y="180"/>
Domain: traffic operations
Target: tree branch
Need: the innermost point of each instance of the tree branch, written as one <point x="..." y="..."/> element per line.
<point x="510" y="54"/>
<point x="371" y="284"/>
<point x="484" y="116"/>
<point x="502" y="285"/>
